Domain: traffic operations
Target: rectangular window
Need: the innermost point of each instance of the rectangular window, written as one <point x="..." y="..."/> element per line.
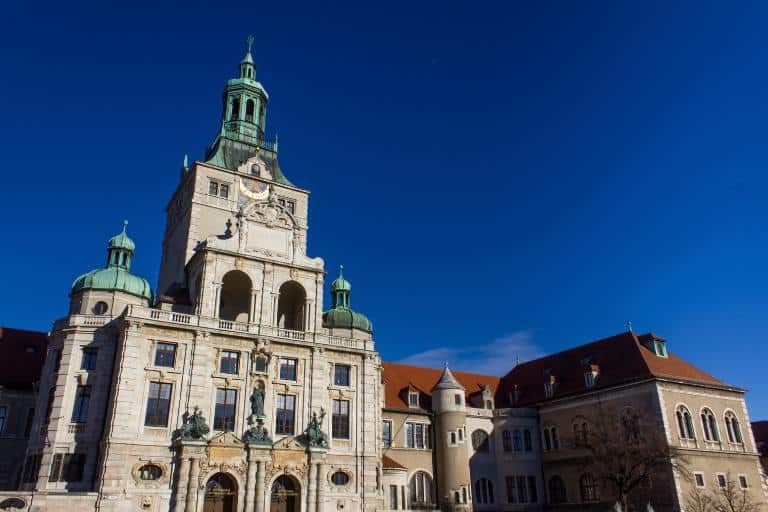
<point x="393" y="497"/>
<point x="522" y="494"/>
<point x="224" y="414"/>
<point x="287" y="369"/>
<point x="419" y="436"/>
<point x="533" y="494"/>
<point x="285" y="413"/>
<point x="165" y="354"/>
<point x="67" y="467"/>
<point x="31" y="468"/>
<point x="158" y="403"/>
<point x="453" y="437"/>
<point x="510" y="481"/>
<point x="699" y="477"/>
<point x="82" y="399"/>
<point x="340" y="419"/>
<point x="461" y="434"/>
<point x="224" y="190"/>
<point x="386" y="433"/>
<point x="457" y="399"/>
<point x="230" y="362"/>
<point x="28" y="424"/>
<point x="3" y="412"/>
<point x="213" y="188"/>
<point x="413" y="399"/>
<point x="55" y="474"/>
<point x="88" y="361"/>
<point x="341" y="374"/>
<point x="743" y="481"/>
<point x="721" y="481"/>
<point x="410" y="440"/>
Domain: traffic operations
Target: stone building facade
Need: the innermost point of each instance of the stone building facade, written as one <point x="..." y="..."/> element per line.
<point x="236" y="389"/>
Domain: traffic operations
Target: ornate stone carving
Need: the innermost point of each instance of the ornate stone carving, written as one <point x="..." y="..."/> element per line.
<point x="194" y="427"/>
<point x="154" y="484"/>
<point x="314" y="434"/>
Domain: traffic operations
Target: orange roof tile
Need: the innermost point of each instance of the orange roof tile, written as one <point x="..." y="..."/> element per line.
<point x="399" y="377"/>
<point x="388" y="463"/>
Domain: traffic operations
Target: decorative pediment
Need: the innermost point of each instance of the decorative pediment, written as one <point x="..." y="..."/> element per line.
<point x="288" y="443"/>
<point x="269" y="213"/>
<point x="225" y="439"/>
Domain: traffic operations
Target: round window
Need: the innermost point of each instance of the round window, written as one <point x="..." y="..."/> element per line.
<point x="340" y="478"/>
<point x="100" y="308"/>
<point x="150" y="472"/>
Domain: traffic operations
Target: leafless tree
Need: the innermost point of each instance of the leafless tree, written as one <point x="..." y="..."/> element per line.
<point x="624" y="449"/>
<point x="699" y="500"/>
<point x="731" y="498"/>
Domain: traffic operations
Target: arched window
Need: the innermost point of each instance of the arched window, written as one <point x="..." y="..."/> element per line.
<point x="547" y="440"/>
<point x="527" y="441"/>
<point x="235" y="109"/>
<point x="732" y="428"/>
<point x="555" y="440"/>
<point x="291" y="306"/>
<point x="709" y="425"/>
<point x="421" y="491"/>
<point x="517" y="441"/>
<point x="684" y="423"/>
<point x="249" y="105"/>
<point x="484" y="492"/>
<point x="235" y="301"/>
<point x="588" y="487"/>
<point x="150" y="472"/>
<point x="556" y="488"/>
<point x="506" y="441"/>
<point x="480" y="441"/>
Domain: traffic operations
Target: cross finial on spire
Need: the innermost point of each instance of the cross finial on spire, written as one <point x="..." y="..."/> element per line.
<point x="125" y="225"/>
<point x="341" y="270"/>
<point x="250" y="41"/>
<point x="445" y="364"/>
<point x="629" y="326"/>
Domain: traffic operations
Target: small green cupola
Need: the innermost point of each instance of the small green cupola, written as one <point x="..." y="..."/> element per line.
<point x="341" y="315"/>
<point x="116" y="275"/>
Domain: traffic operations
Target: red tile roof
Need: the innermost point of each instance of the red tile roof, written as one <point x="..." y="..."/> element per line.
<point x="399" y="377"/>
<point x="620" y="359"/>
<point x="388" y="463"/>
<point x="22" y="354"/>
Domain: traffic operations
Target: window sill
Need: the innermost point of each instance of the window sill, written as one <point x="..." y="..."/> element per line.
<point x="163" y="369"/>
<point x="230" y="376"/>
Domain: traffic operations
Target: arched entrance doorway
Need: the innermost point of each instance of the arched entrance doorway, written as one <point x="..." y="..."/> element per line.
<point x="290" y="306"/>
<point x="220" y="494"/>
<point x="285" y="496"/>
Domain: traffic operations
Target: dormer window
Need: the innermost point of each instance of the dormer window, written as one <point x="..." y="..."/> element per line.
<point x="549" y="386"/>
<point x="660" y="348"/>
<point x="590" y="375"/>
<point x="413" y="399"/>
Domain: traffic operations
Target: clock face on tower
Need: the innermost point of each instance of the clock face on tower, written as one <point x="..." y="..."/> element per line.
<point x="253" y="190"/>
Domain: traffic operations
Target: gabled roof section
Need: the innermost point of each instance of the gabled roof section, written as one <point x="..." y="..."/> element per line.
<point x="22" y="354"/>
<point x="621" y="359"/>
<point x="400" y="376"/>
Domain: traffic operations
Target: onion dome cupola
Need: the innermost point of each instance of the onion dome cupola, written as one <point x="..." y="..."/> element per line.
<point x="241" y="144"/>
<point x="116" y="275"/>
<point x="341" y="315"/>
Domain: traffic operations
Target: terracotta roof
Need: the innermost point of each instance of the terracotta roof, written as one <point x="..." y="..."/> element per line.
<point x="619" y="359"/>
<point x="399" y="377"/>
<point x="22" y="354"/>
<point x="388" y="463"/>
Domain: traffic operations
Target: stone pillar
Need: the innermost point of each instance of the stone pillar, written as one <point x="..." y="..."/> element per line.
<point x="181" y="485"/>
<point x="194" y="473"/>
<point x="312" y="488"/>
<point x="254" y="317"/>
<point x="260" y="483"/>
<point x="250" y="484"/>
<point x="320" y="487"/>
<point x="216" y="299"/>
<point x="275" y="300"/>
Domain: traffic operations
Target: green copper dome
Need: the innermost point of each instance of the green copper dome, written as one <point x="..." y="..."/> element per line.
<point x="341" y="316"/>
<point x="116" y="276"/>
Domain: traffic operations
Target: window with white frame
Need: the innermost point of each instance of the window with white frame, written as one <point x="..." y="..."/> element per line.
<point x="418" y="436"/>
<point x="287" y="369"/>
<point x="341" y="375"/>
<point x="413" y="399"/>
<point x="709" y="425"/>
<point x="699" y="478"/>
<point x="684" y="423"/>
<point x="386" y="433"/>
<point x="721" y="481"/>
<point x="421" y="494"/>
<point x="732" y="428"/>
<point x="743" y="482"/>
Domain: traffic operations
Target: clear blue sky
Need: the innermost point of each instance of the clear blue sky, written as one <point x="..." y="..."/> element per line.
<point x="502" y="178"/>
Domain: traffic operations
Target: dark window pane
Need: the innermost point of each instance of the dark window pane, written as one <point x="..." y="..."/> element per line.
<point x="224" y="415"/>
<point x="165" y="354"/>
<point x="230" y="362"/>
<point x="89" y="359"/>
<point x="340" y="419"/>
<point x="158" y="404"/>
<point x="341" y="375"/>
<point x="285" y="412"/>
<point x="82" y="399"/>
<point x="287" y="369"/>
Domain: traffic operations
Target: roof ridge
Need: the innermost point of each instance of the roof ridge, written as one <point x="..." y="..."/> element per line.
<point x="572" y="349"/>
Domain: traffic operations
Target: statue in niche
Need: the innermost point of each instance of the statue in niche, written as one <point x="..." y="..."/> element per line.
<point x="257" y="434"/>
<point x="257" y="401"/>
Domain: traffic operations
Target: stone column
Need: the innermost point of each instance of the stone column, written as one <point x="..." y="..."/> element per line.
<point x="260" y="483"/>
<point x="253" y="317"/>
<point x="250" y="484"/>
<point x="194" y="473"/>
<point x="312" y="488"/>
<point x="320" y="488"/>
<point x="181" y="485"/>
<point x="216" y="300"/>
